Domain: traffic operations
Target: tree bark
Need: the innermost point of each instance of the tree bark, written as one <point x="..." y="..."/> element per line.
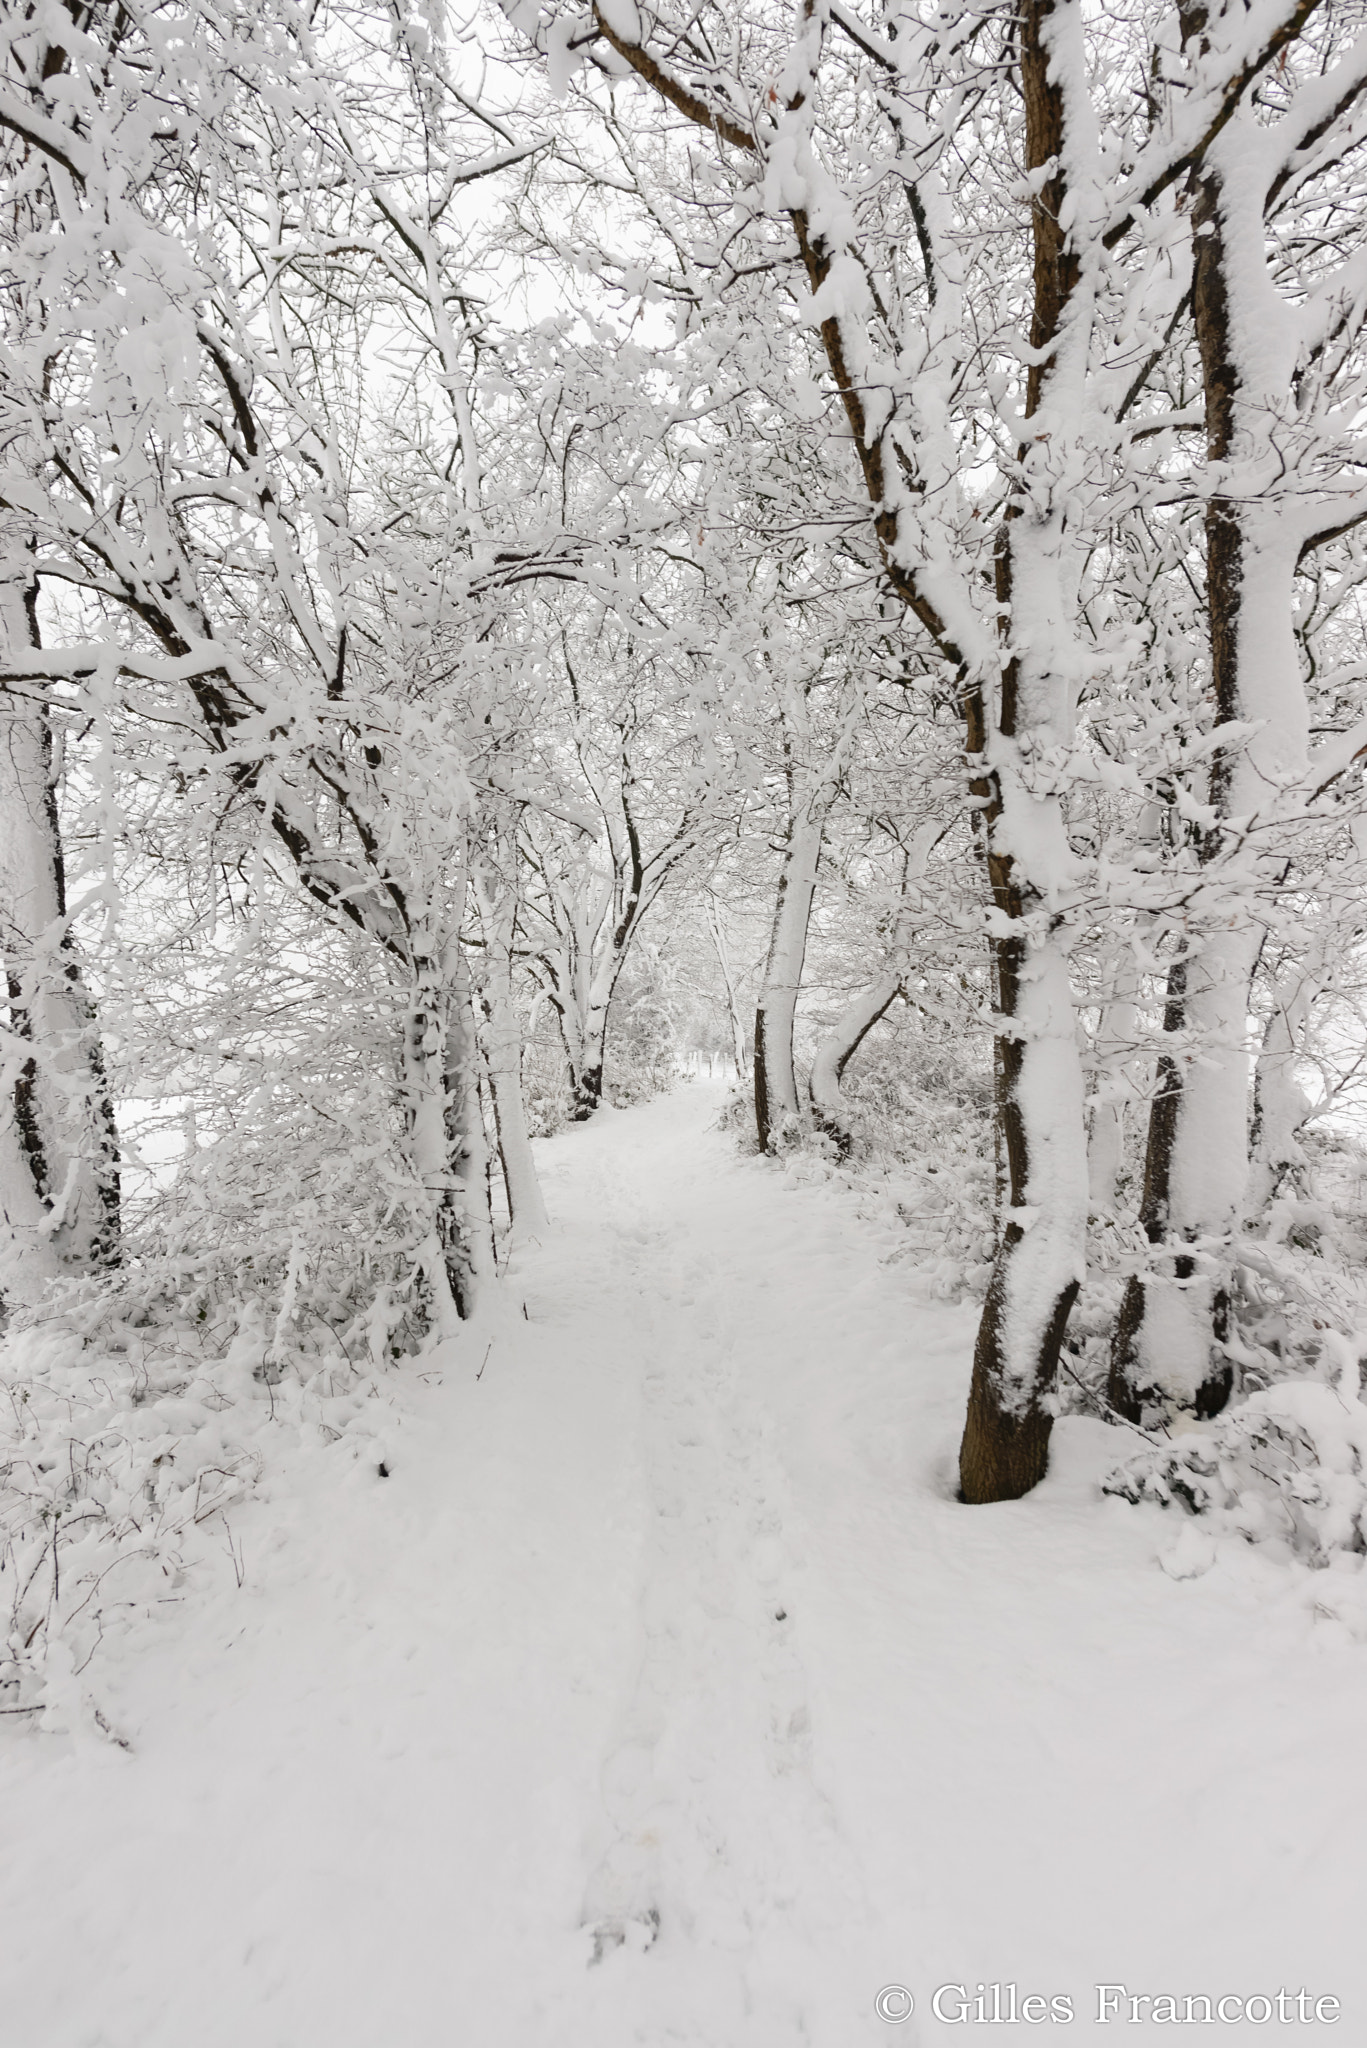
<point x="595" y="922"/>
<point x="505" y="1074"/>
<point x="495" y="891"/>
<point x="586" y="1082"/>
<point x="836" y="1051"/>
<point x="1040" y="1104"/>
<point x="733" y="1012"/>
<point x="446" y="1137"/>
<point x="60" y="1174"/>
<point x="1280" y="1104"/>
<point x="582" y="1016"/>
<point x="466" y="1145"/>
<point x="1114" y="1052"/>
<point x="526" y="1204"/>
<point x="1167" y="1357"/>
<point x="777" y="1108"/>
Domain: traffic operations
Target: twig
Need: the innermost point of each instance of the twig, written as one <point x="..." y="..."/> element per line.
<point x="1114" y="1413"/>
<point x="239" y="1568"/>
<point x="105" y="1729"/>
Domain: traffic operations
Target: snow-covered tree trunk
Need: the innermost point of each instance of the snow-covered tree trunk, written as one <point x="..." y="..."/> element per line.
<point x="1280" y="1104"/>
<point x="503" y="1054"/>
<point x="733" y="1009"/>
<point x="838" y="1048"/>
<point x="1113" y="1049"/>
<point x="579" y="974"/>
<point x="446" y="1134"/>
<point x="503" y="1038"/>
<point x="594" y="911"/>
<point x="590" y="1043"/>
<point x="443" y="1253"/>
<point x="1168" y="1354"/>
<point x="466" y="1144"/>
<point x="777" y="1107"/>
<point x="1105" y="1148"/>
<point x="1040" y="1095"/>
<point x="60" y="1155"/>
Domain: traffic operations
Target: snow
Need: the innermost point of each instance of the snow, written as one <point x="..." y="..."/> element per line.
<point x="666" y="1608"/>
<point x="1284" y="1469"/>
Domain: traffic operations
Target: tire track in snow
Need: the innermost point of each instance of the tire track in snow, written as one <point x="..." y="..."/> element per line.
<point x="720" y="1836"/>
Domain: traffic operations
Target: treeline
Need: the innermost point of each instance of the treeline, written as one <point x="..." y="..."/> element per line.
<point x="925" y="526"/>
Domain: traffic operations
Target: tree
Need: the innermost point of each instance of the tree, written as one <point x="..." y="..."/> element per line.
<point x="1281" y="378"/>
<point x="59" y="1158"/>
<point x="937" y="184"/>
<point x="226" y="568"/>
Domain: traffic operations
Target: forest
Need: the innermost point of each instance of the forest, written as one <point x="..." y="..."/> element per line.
<point x="801" y="559"/>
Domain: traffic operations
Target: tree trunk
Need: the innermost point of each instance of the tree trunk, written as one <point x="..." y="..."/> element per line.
<point x="1041" y="1112"/>
<point x="1105" y="1151"/>
<point x="581" y="995"/>
<point x="1116" y="1036"/>
<point x="837" y="1050"/>
<point x="446" y="1138"/>
<point x="466" y="1144"/>
<point x="1280" y="1104"/>
<point x="1168" y="1356"/>
<point x="588" y="1084"/>
<point x="28" y="1257"/>
<point x="495" y="887"/>
<point x="60" y="1189"/>
<point x="526" y="1206"/>
<point x="776" y="1099"/>
<point x="733" y="1013"/>
<point x="1038" y="1268"/>
<point x="585" y="1045"/>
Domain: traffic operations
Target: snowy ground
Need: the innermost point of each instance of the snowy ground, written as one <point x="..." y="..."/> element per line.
<point x="665" y="1639"/>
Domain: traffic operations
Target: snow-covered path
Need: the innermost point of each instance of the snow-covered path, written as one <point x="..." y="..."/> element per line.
<point x="665" y="1643"/>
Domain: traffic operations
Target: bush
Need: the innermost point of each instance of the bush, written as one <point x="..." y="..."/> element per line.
<point x="1287" y="1469"/>
<point x="125" y="1436"/>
